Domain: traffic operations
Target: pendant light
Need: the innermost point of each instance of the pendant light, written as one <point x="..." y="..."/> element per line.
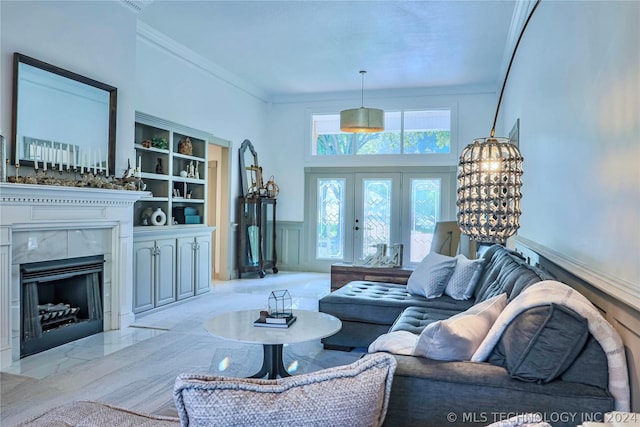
<point x="489" y="181"/>
<point x="362" y="120"/>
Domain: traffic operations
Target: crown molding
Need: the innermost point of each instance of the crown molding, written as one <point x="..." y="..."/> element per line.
<point x="151" y="35"/>
<point x="136" y="5"/>
<point x="520" y="13"/>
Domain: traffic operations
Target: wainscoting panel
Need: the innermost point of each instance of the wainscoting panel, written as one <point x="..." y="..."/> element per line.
<point x="622" y="314"/>
<point x="289" y="245"/>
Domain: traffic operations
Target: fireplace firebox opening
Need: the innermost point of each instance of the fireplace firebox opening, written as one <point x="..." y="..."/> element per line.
<point x="61" y="301"/>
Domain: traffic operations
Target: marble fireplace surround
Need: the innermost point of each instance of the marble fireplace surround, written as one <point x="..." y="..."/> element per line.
<point x="39" y="223"/>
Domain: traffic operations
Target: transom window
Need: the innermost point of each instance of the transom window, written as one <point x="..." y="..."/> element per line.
<point x="406" y="132"/>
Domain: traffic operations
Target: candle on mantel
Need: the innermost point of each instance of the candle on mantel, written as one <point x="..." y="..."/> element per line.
<point x="82" y="162"/>
<point x="53" y="157"/>
<point x="34" y="146"/>
<point x="60" y="159"/>
<point x="75" y="163"/>
<point x="95" y="161"/>
<point x="68" y="158"/>
<point x="45" y="151"/>
<point x="99" y="160"/>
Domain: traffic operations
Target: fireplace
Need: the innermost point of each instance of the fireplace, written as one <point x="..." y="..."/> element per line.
<point x="42" y="223"/>
<point x="61" y="301"/>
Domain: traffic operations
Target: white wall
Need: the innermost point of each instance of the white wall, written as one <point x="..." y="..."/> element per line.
<point x="94" y="39"/>
<point x="172" y="88"/>
<point x="289" y="133"/>
<point x="575" y="85"/>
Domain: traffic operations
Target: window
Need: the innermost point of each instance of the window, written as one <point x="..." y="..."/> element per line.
<point x="406" y="132"/>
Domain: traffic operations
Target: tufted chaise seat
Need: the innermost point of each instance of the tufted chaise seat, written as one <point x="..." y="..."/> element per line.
<point x="375" y="306"/>
<point x="370" y="309"/>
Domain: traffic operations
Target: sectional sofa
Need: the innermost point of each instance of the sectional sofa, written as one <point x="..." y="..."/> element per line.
<point x="546" y="349"/>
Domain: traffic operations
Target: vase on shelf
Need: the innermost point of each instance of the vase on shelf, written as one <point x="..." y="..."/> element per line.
<point x="159" y="166"/>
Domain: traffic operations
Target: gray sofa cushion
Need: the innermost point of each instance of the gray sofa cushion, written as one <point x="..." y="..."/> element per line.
<point x="541" y="343"/>
<point x="381" y="303"/>
<point x="506" y="272"/>
<point x="427" y="392"/>
<point x="349" y="395"/>
<point x="588" y="366"/>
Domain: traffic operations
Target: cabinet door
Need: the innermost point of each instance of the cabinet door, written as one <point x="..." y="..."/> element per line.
<point x="203" y="264"/>
<point x="185" y="267"/>
<point x="143" y="276"/>
<point x="165" y="271"/>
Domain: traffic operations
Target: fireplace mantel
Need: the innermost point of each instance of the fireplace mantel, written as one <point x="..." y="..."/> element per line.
<point x="29" y="211"/>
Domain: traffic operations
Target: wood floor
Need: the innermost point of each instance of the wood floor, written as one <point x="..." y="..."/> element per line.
<point x="136" y="368"/>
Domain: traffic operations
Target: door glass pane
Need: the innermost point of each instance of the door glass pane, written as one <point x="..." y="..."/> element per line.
<point x="425" y="211"/>
<point x="376" y="221"/>
<point x="330" y="210"/>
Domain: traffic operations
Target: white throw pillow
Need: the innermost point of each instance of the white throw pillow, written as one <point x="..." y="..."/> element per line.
<point x="459" y="336"/>
<point x="431" y="276"/>
<point x="465" y="278"/>
<point x="397" y="342"/>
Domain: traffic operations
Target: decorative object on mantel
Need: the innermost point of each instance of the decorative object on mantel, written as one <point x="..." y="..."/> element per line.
<point x="185" y="146"/>
<point x="489" y="180"/>
<point x="362" y="120"/>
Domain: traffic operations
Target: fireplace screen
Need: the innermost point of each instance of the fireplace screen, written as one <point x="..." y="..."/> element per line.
<point x="61" y="301"/>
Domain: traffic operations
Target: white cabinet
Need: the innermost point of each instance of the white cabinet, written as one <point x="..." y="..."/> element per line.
<point x="154" y="273"/>
<point x="194" y="265"/>
<point x="170" y="265"/>
<point x="203" y="264"/>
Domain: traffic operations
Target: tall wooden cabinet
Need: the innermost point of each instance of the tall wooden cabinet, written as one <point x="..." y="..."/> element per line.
<point x="172" y="261"/>
<point x="256" y="244"/>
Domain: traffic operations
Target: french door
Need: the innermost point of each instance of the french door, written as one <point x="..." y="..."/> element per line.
<point x="349" y="213"/>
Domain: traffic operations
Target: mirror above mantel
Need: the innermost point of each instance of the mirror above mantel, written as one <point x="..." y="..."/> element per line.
<point x="62" y="117"/>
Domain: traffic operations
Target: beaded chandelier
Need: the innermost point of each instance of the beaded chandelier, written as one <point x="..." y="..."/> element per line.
<point x="489" y="182"/>
<point x="490" y="179"/>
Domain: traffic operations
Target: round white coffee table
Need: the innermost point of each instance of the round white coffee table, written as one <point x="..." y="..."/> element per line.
<point x="238" y="326"/>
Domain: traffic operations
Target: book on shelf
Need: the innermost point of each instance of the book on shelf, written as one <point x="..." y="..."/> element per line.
<point x="288" y="321"/>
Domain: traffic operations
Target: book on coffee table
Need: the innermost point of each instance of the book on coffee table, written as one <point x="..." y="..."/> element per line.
<point x="282" y="322"/>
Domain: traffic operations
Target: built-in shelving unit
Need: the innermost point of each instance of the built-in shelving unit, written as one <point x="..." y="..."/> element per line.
<point x="162" y="170"/>
<point x="171" y="261"/>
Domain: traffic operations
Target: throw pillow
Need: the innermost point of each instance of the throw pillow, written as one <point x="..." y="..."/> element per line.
<point x="431" y="276"/>
<point x="465" y="278"/>
<point x="459" y="336"/>
<point x="349" y="395"/>
<point x="397" y="342"/>
<point x="541" y="343"/>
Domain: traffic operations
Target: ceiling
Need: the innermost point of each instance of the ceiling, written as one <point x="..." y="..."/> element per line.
<point x="302" y="47"/>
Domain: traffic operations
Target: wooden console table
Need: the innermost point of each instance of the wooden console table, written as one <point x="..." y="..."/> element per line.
<point x="343" y="273"/>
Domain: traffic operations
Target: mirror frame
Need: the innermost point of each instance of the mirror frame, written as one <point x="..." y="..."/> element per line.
<point x="19" y="58"/>
<point x="245" y="175"/>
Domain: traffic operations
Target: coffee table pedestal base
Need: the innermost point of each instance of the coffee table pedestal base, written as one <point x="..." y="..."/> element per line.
<point x="272" y="363"/>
